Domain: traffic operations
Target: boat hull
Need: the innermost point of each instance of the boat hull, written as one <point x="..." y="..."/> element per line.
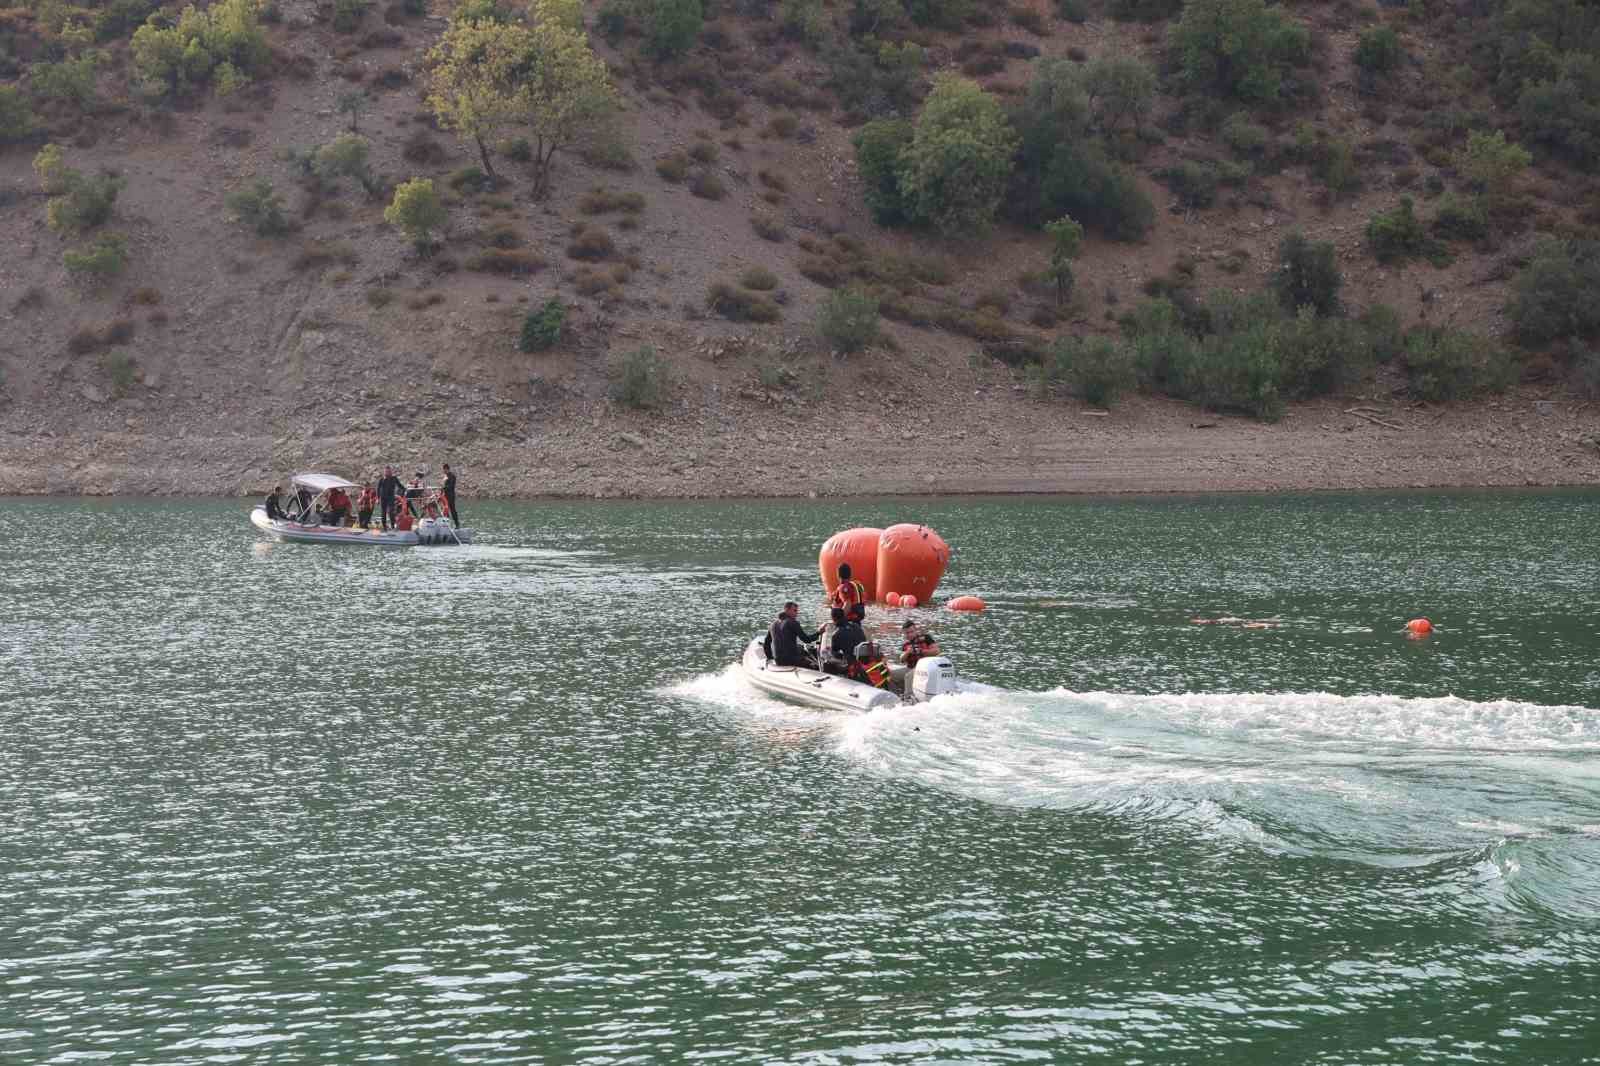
<point x="812" y="687"/>
<point x="428" y="532"/>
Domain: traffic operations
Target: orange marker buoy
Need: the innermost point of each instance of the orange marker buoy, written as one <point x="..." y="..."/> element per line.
<point x="859" y="548"/>
<point x="966" y="603"/>
<point x="911" y="560"/>
<point x="892" y="599"/>
<point x="1418" y="628"/>
<point x="908" y="600"/>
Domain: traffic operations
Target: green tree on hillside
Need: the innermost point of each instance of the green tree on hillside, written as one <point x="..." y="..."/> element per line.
<point x="953" y="173"/>
<point x="416" y="211"/>
<point x="565" y="97"/>
<point x="475" y="85"/>
<point x="1237" y="48"/>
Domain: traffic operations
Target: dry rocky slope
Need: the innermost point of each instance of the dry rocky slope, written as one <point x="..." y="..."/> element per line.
<point x="252" y="357"/>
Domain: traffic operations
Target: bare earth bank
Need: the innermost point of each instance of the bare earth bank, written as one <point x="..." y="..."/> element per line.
<point x="994" y="439"/>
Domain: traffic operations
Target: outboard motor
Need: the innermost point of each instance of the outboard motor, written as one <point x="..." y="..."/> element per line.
<point x="932" y="676"/>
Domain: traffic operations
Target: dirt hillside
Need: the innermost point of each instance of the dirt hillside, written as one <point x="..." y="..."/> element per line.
<point x="218" y="360"/>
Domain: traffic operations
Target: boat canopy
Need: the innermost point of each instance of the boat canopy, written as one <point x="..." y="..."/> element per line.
<point x="321" y="482"/>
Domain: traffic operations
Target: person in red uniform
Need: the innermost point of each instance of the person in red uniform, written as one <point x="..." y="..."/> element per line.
<point x="916" y="643"/>
<point x="338" y="512"/>
<point x="849" y="595"/>
<point x="365" y="503"/>
<point x="868" y="665"/>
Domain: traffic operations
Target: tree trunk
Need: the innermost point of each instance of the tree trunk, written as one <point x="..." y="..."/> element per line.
<point x="483" y="154"/>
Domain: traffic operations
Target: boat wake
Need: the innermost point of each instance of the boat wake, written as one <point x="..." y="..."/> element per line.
<point x="1493" y="787"/>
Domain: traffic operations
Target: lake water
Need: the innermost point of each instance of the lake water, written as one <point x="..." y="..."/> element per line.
<point x="509" y="803"/>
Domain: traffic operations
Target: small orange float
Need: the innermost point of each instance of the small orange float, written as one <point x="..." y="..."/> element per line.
<point x="908" y="600"/>
<point x="859" y="548"/>
<point x="1418" y="628"/>
<point x="966" y="603"/>
<point x="892" y="599"/>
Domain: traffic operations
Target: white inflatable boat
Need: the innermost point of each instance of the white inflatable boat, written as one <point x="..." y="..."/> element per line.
<point x="932" y="676"/>
<point x="303" y="524"/>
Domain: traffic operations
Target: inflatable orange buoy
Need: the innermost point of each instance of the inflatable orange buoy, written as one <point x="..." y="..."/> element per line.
<point x="859" y="548"/>
<point x="908" y="600"/>
<point x="966" y="603"/>
<point x="1419" y="627"/>
<point x="892" y="599"/>
<point x="911" y="560"/>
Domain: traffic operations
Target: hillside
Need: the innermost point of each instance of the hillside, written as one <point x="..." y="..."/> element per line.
<point x="217" y="359"/>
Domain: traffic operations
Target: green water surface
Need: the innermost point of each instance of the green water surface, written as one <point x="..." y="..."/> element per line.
<point x="511" y="803"/>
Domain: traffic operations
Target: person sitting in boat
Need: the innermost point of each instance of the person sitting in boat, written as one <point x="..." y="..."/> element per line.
<point x="867" y="665"/>
<point x="365" y="503"/>
<point x="338" y="512"/>
<point x="849" y="595"/>
<point x="274" y="508"/>
<point x="916" y="643"/>
<point x="402" y="517"/>
<point x="847" y="633"/>
<point x="785" y="637"/>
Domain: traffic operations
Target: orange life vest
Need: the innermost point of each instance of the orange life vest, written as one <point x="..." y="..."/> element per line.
<point x="877" y="672"/>
<point x="847" y="593"/>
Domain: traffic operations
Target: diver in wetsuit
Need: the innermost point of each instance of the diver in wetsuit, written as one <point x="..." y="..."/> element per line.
<point x="785" y="636"/>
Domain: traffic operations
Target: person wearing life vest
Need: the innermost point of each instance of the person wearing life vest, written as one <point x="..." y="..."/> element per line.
<point x="365" y="503"/>
<point x="915" y="643"/>
<point x="402" y="519"/>
<point x="849" y="595"/>
<point x="868" y="666"/>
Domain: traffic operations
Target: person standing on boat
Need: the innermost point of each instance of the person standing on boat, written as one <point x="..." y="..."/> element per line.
<point x="785" y="637"/>
<point x="364" y="505"/>
<point x="275" y="509"/>
<point x="389" y="495"/>
<point x="848" y="595"/>
<point x="450" y="495"/>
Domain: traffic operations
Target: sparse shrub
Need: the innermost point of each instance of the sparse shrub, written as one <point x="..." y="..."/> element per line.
<point x="1386" y="333"/>
<point x="1307" y="275"/>
<point x="516" y="149"/>
<point x="1243" y="136"/>
<point x="258" y="207"/>
<point x="1379" y="51"/>
<point x="1586" y="373"/>
<point x="347" y="14"/>
<point x="703" y="152"/>
<point x="416" y="211"/>
<point x="315" y="255"/>
<point x="174" y="59"/>
<point x="602" y="201"/>
<point x="83" y="202"/>
<point x="1096" y="368"/>
<point x="541" y="329"/>
<point x="1553" y="297"/>
<point x="674" y="166"/>
<point x="639" y="380"/>
<point x="708" y="186"/>
<point x="120" y="370"/>
<point x="741" y="305"/>
<point x="470" y="179"/>
<point x="1078" y="180"/>
<point x="848" y="319"/>
<point x="759" y="278"/>
<point x="592" y="243"/>
<point x="1449" y="364"/>
<point x="502" y="236"/>
<point x="1397" y="235"/>
<point x="380" y="297"/>
<point x="673" y="25"/>
<point x="1193" y="183"/>
<point x="1066" y="236"/>
<point x="516" y="262"/>
<point x="71" y="80"/>
<point x="782" y="126"/>
<point x="16" y="116"/>
<point x="768" y="228"/>
<point x="1460" y="218"/>
<point x="147" y="296"/>
<point x="422" y="149"/>
<point x="103" y="259"/>
<point x="1492" y="164"/>
<point x="1143" y="10"/>
<point x="1562" y="110"/>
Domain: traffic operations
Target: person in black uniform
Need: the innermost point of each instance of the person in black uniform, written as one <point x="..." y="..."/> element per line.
<point x="389" y="489"/>
<point x="274" y="508"/>
<point x="785" y="636"/>
<point x="847" y="633"/>
<point x="450" y="494"/>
